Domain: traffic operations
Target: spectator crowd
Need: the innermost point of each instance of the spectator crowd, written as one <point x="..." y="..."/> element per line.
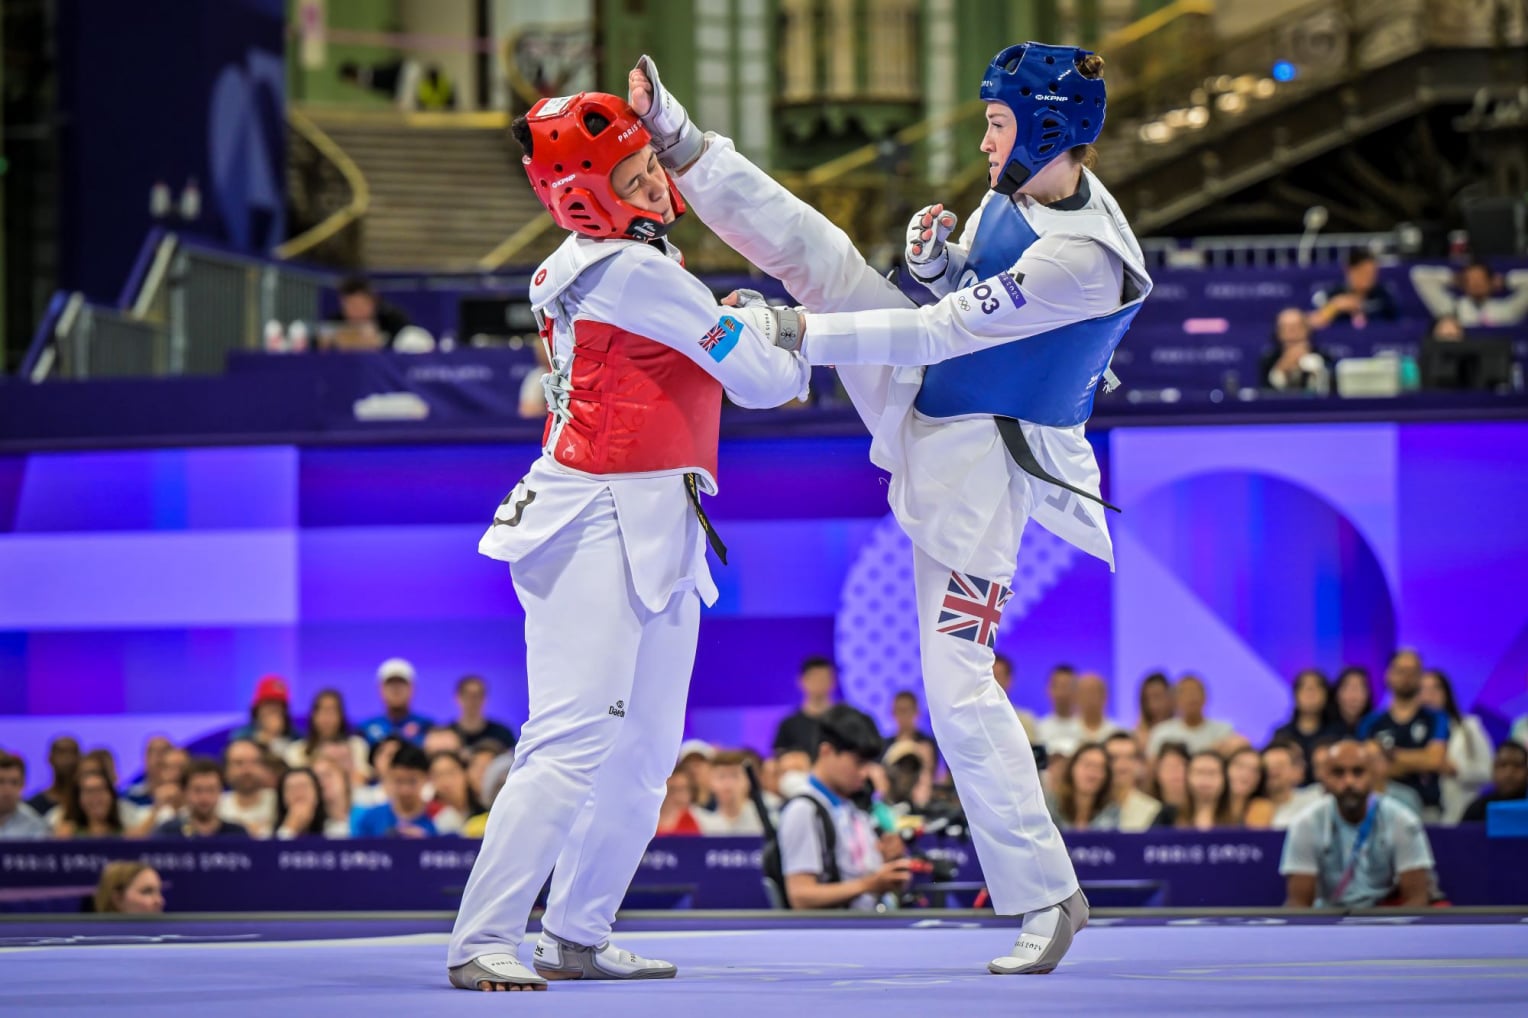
<point x="839" y="802"/>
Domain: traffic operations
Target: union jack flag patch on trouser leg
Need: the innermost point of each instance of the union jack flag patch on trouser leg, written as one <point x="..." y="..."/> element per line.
<point x="972" y="609"/>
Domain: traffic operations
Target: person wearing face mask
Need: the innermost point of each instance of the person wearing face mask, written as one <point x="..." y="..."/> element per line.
<point x="606" y="541"/>
<point x="976" y="402"/>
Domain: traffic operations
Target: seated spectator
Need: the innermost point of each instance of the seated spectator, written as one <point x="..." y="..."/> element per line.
<point x="93" y="810"/>
<point x="1467" y="767"/>
<point x="1509" y="782"/>
<point x="766" y="771"/>
<point x="1483" y="298"/>
<point x="1445" y="330"/>
<point x="270" y="716"/>
<point x="104" y="762"/>
<point x="1281" y="785"/>
<point x="18" y="821"/>
<point x="674" y="815"/>
<point x="443" y="739"/>
<point x="471" y="724"/>
<point x="1190" y="726"/>
<point x="1320" y="759"/>
<point x="1058" y="731"/>
<point x="909" y="778"/>
<point x="1379" y="777"/>
<point x="1084" y="800"/>
<point x="1412" y="735"/>
<point x="328" y="722"/>
<point x="695" y="764"/>
<point x="1292" y="363"/>
<point x="734" y="813"/>
<point x="129" y="888"/>
<point x="454" y="802"/>
<point x="830" y="854"/>
<point x="479" y="758"/>
<point x="1209" y="793"/>
<point x="1354" y="700"/>
<point x="907" y="712"/>
<point x="1127" y="768"/>
<point x="368" y="323"/>
<point x="300" y="809"/>
<point x="141" y="792"/>
<point x="334" y="786"/>
<point x="818" y="680"/>
<point x="405" y="814"/>
<point x="64" y="761"/>
<point x="1156" y="706"/>
<point x="250" y="800"/>
<point x="1244" y="779"/>
<point x="168" y="802"/>
<point x="1002" y="674"/>
<point x="1353" y="849"/>
<point x="1093" y="724"/>
<point x="1169" y="778"/>
<point x="202" y="792"/>
<point x="396" y="677"/>
<point x="795" y="773"/>
<point x="1313" y="716"/>
<point x="1359" y="299"/>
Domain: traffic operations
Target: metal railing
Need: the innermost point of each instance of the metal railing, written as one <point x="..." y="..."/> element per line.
<point x="346" y="218"/>
<point x="196" y="304"/>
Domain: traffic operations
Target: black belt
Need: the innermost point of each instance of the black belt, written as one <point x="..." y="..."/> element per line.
<point x="1024" y="456"/>
<point x="692" y="488"/>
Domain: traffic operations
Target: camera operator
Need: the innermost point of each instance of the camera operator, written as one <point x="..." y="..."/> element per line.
<point x="842" y="865"/>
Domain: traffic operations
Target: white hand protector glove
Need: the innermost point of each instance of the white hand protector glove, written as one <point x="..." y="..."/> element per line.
<point x="926" y="255"/>
<point x="782" y="327"/>
<point x="676" y="139"/>
<point x="557" y="387"/>
<point x="747" y="299"/>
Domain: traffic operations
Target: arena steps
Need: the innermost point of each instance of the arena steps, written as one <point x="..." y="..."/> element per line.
<point x="443" y="194"/>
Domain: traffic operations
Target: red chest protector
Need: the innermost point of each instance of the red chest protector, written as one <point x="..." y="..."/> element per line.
<point x="636" y="407"/>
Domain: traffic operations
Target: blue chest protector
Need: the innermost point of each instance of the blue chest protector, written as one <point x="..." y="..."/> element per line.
<point x="1045" y="379"/>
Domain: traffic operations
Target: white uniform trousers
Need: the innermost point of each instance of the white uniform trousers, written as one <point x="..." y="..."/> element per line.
<point x="1024" y="861"/>
<point x="587" y="782"/>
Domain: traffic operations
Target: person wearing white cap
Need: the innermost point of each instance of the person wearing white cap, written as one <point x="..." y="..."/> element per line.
<point x="396" y="677"/>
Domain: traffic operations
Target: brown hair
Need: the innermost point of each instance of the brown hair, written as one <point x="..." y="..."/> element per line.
<point x="729" y="758"/>
<point x="115" y="879"/>
<point x="13" y="763"/>
<point x="1090" y="66"/>
<point x="1067" y="796"/>
<point x="74" y="809"/>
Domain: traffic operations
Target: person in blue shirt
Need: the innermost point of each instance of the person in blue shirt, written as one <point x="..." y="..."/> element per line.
<point x="405" y="813"/>
<point x="1413" y="737"/>
<point x="397" y="679"/>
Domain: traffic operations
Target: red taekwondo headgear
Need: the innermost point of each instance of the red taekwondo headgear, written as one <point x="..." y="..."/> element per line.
<point x="570" y="166"/>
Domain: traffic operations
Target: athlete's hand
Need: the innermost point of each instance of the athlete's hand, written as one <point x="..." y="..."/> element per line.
<point x="745" y="299"/>
<point x="676" y="139"/>
<point x="782" y="327"/>
<point x="639" y="91"/>
<point x="926" y="254"/>
<point x="892" y="876"/>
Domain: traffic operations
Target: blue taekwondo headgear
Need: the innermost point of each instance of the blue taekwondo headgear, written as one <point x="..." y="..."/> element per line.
<point x="1054" y="106"/>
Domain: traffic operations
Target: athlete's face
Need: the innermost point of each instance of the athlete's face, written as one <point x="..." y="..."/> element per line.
<point x="997" y="143"/>
<point x="639" y="179"/>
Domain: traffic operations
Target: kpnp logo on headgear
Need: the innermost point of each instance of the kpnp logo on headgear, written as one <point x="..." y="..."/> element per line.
<point x="564" y="180"/>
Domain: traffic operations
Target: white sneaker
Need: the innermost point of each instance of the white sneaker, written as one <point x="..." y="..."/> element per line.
<point x="676" y="139"/>
<point x="560" y="959"/>
<point x="496" y="970"/>
<point x="1044" y="939"/>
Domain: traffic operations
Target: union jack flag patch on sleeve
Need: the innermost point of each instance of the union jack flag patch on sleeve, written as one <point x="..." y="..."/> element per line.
<point x="972" y="609"/>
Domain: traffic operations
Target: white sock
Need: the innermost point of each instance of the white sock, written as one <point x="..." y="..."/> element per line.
<point x="1036" y="932"/>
